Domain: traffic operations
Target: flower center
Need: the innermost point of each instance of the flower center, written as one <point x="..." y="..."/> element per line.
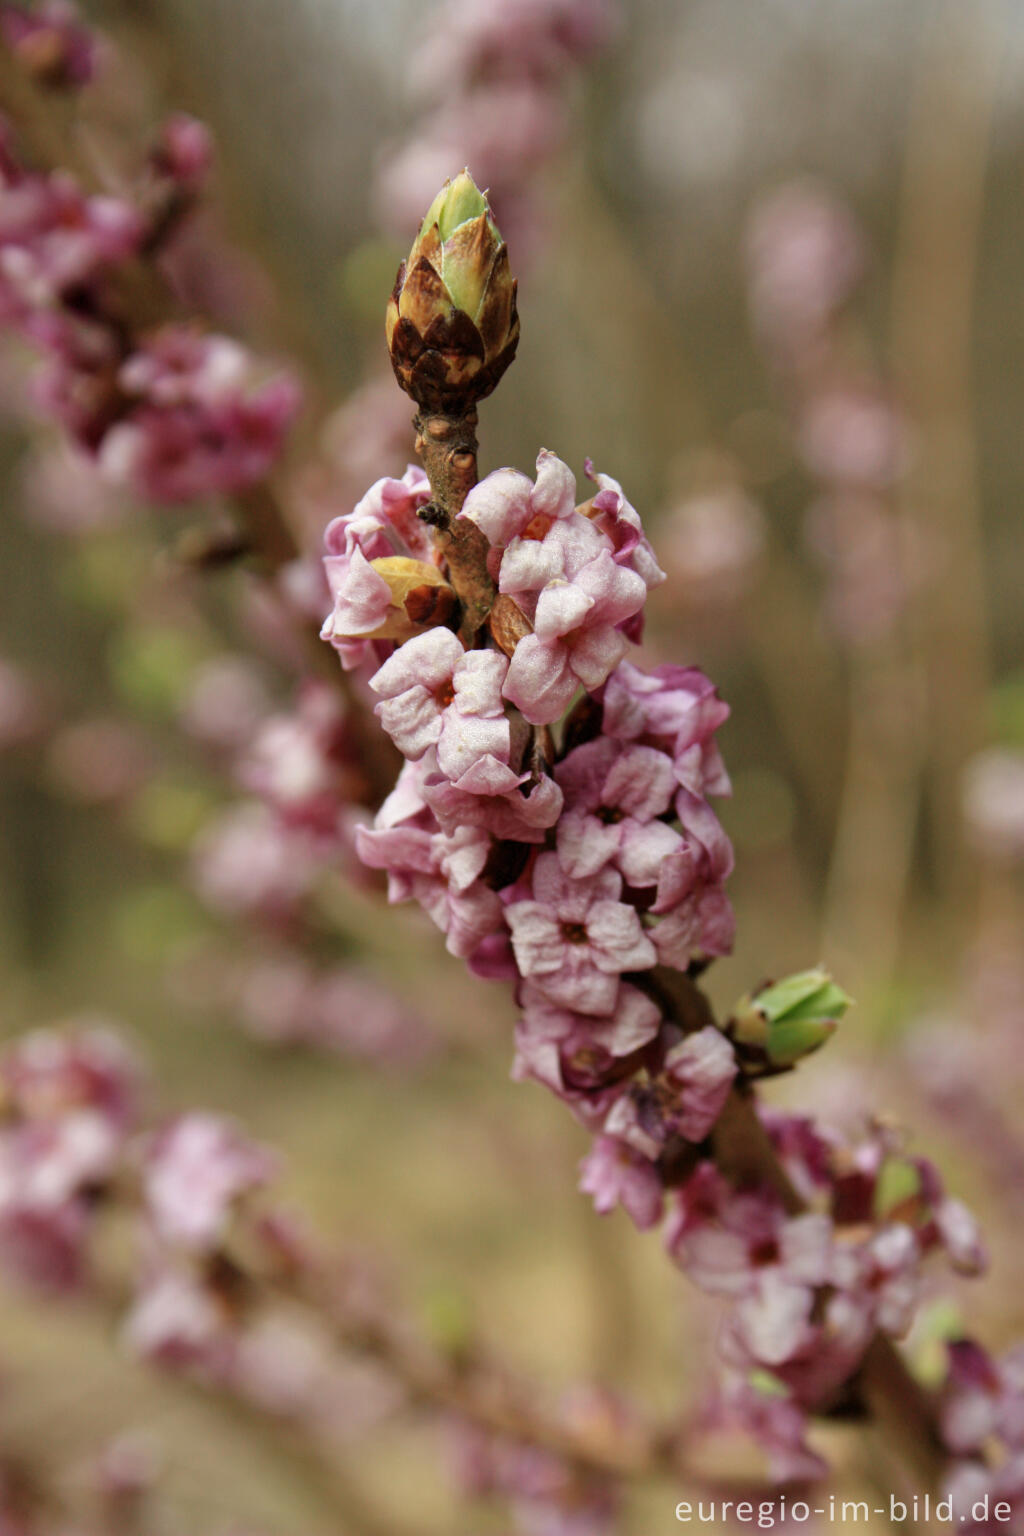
<point x="537" y="527"/>
<point x="444" y="693"/>
<point x="611" y="815"/>
<point x="574" y="933"/>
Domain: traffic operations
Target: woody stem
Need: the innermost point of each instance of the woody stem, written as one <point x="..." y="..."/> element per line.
<point x="447" y="444"/>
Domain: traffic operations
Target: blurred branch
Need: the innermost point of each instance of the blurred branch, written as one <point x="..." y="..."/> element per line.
<point x="144" y="299"/>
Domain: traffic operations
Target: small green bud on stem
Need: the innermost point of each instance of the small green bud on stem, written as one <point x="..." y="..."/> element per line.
<point x="785" y="1021"/>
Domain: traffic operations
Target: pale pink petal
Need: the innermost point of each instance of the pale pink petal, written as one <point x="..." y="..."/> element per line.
<point x="583" y="772"/>
<point x="477" y="681"/>
<point x="595" y="653"/>
<point x="363" y="601"/>
<point x="465" y="739"/>
<point x="412" y="720"/>
<point x="644" y="851"/>
<point x="487" y="774"/>
<point x="500" y="505"/>
<point x="536" y="937"/>
<point x="562" y="607"/>
<point x="617" y="940"/>
<point x="554" y="494"/>
<point x="426" y="661"/>
<point x="528" y="565"/>
<point x="614" y="1174"/>
<point x="540" y="682"/>
<point x="585" y="844"/>
<point x="774" y="1323"/>
<point x="703" y="1067"/>
<point x="640" y="782"/>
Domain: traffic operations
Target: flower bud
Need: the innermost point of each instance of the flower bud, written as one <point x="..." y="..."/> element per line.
<point x="785" y="1021"/>
<point x="452" y="325"/>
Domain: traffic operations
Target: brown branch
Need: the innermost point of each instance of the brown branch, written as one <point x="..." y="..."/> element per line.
<point x="484" y="1394"/>
<point x="447" y="445"/>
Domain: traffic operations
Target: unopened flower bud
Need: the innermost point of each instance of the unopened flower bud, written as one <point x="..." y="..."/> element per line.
<point x="452" y="326"/>
<point x="785" y="1021"/>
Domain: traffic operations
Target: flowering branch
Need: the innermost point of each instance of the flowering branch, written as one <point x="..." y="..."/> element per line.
<point x="566" y="844"/>
<point x="127" y="379"/>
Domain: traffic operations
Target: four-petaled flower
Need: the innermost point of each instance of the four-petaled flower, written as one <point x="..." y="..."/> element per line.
<point x="575" y="938"/>
<point x="435" y="693"/>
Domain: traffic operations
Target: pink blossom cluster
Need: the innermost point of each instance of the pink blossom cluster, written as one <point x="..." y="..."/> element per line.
<point x="197" y="415"/>
<point x="553" y="819"/>
<point x="50" y="42"/>
<point x="566" y="875"/>
<point x="982" y="1408"/>
<point x="575" y="870"/>
<point x="260" y="857"/>
<point x="495" y="76"/>
<point x="69" y="1106"/>
<point x="809" y="1288"/>
<point x="172" y="413"/>
<point x="196" y="1200"/>
<point x="546" y="1497"/>
<point x="197" y="1174"/>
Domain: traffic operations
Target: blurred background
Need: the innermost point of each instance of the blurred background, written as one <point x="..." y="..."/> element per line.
<point x="769" y="279"/>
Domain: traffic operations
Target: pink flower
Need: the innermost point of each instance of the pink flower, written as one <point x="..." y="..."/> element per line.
<point x="614" y="1174"/>
<point x="247" y="862"/>
<point x="300" y="764"/>
<point x="981" y="1398"/>
<point x="573" y="580"/>
<point x="54" y="238"/>
<point x="179" y="1322"/>
<point x="382" y="524"/>
<point x="437" y="694"/>
<point x="683" y="1099"/>
<point x="700" y="925"/>
<point x="50" y="40"/>
<point x="675" y="709"/>
<point x="577" y="641"/>
<point x="183" y="152"/>
<point x="614" y="797"/>
<point x="71" y="1099"/>
<point x="204" y="418"/>
<point x="585" y="1060"/>
<point x="575" y="938"/>
<point x="703" y="1068"/>
<point x="620" y="522"/>
<point x="51" y="1072"/>
<point x="441" y="873"/>
<point x="513" y="813"/>
<point x="507" y="506"/>
<point x="196" y="1172"/>
<point x="805" y="255"/>
<point x="771" y="1418"/>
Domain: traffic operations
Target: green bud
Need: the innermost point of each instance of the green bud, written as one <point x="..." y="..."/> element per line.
<point x="791" y="1039"/>
<point x="811" y="995"/>
<point x="452" y="325"/>
<point x="787" y="1020"/>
